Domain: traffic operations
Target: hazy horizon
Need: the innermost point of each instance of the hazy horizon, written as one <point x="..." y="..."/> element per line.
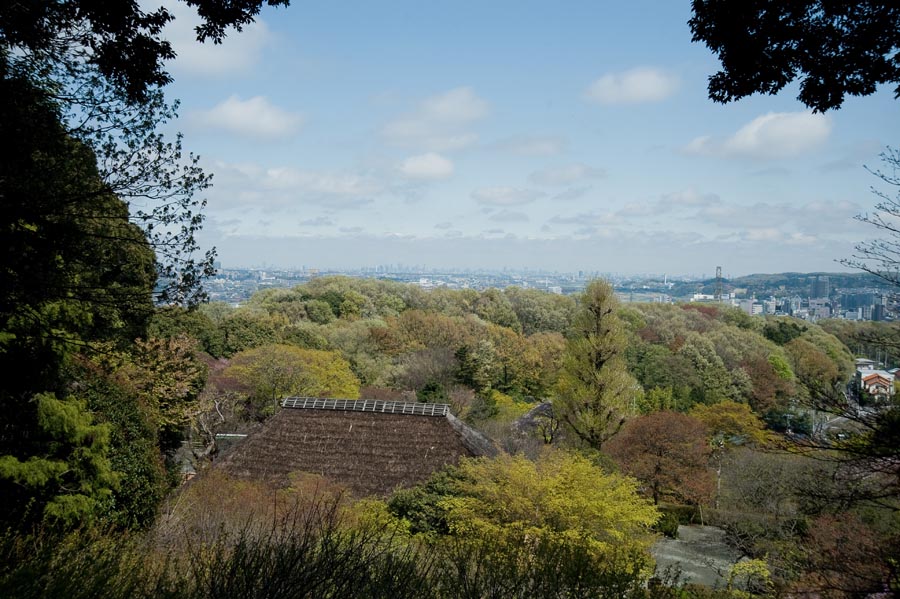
<point x="337" y="254"/>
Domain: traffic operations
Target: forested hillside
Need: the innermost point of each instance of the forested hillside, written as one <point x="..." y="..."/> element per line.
<point x="698" y="413"/>
<point x="509" y="346"/>
<point x="707" y="408"/>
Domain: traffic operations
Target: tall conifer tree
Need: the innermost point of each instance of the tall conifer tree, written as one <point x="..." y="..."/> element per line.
<point x="595" y="391"/>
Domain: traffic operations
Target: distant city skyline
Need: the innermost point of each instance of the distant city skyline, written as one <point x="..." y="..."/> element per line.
<point x="510" y="134"/>
<point x="552" y="255"/>
<point x="368" y="270"/>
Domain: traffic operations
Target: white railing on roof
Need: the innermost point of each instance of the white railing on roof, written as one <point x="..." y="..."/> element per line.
<point x="367" y="405"/>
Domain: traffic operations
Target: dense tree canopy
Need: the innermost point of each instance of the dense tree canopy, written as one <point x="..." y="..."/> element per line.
<point x="75" y="273"/>
<point x="836" y="49"/>
<point x="80" y="96"/>
<point x="559" y="494"/>
<point x="276" y="371"/>
<point x="124" y="41"/>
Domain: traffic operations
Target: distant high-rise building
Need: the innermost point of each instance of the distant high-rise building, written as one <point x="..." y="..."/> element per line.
<point x="852" y="301"/>
<point x="718" y="283"/>
<point x="751" y="307"/>
<point x="819" y="308"/>
<point x="821" y="287"/>
<point x="786" y="306"/>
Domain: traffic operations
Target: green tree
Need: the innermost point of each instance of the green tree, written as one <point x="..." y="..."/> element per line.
<point x="729" y="424"/>
<point x="477" y="366"/>
<point x="98" y="208"/>
<point x="355" y="342"/>
<point x="277" y="371"/>
<point x="243" y="330"/>
<point x="165" y="376"/>
<point x="495" y="307"/>
<point x="549" y="348"/>
<point x="171" y="321"/>
<point x="75" y="272"/>
<point x="432" y="392"/>
<point x="715" y="380"/>
<point x="595" y="391"/>
<point x="562" y="499"/>
<point x="782" y="330"/>
<point x="319" y="311"/>
<point x="134" y="452"/>
<point x="539" y="311"/>
<point x="67" y="481"/>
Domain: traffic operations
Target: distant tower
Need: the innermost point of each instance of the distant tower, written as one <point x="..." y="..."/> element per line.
<point x="718" y="283"/>
<point x="821" y="287"/>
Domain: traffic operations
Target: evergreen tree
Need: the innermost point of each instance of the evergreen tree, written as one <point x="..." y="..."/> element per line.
<point x="74" y="272"/>
<point x="595" y="390"/>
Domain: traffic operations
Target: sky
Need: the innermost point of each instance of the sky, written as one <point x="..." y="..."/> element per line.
<point x="549" y="135"/>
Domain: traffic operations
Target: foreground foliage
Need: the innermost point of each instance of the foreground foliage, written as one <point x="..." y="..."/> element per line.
<point x="227" y="538"/>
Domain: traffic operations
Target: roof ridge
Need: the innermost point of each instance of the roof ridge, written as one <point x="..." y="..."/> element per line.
<point x="367" y="405"/>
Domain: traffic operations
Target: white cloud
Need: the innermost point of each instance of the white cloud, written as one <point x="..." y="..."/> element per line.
<point x="287" y="189"/>
<point x="637" y="210"/>
<point x="239" y="52"/>
<point x="585" y="218"/>
<point x="509" y="216"/>
<point x="459" y="105"/>
<point x="505" y="196"/>
<point x="572" y="193"/>
<point x="427" y="166"/>
<point x="534" y="146"/>
<point x="788" y="222"/>
<point x="319" y="221"/>
<point x="319" y="182"/>
<point x="689" y="197"/>
<point x="635" y="86"/>
<point x="566" y="175"/>
<point x="255" y="118"/>
<point x="801" y="239"/>
<point x="700" y="145"/>
<point x="762" y="234"/>
<point x="440" y="123"/>
<point x="770" y="136"/>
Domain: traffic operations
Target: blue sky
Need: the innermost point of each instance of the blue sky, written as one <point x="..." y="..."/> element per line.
<point x="567" y="136"/>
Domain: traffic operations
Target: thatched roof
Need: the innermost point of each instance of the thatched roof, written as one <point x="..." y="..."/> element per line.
<point x="370" y="446"/>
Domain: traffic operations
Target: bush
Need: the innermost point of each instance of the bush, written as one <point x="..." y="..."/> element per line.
<point x="667" y="525"/>
<point x="682" y="514"/>
<point x="311" y="555"/>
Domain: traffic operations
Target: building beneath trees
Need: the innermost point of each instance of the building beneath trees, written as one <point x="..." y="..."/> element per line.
<point x="878" y="384"/>
<point x="370" y="446"/>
